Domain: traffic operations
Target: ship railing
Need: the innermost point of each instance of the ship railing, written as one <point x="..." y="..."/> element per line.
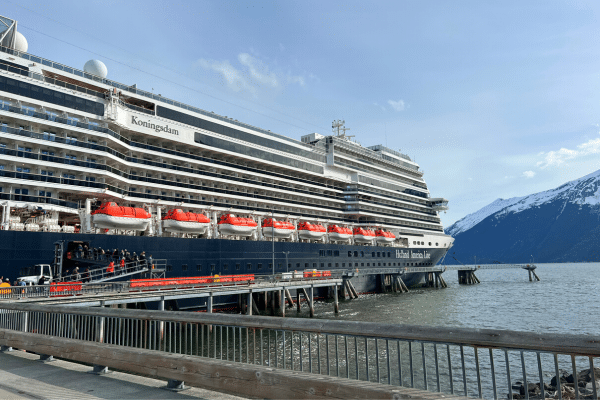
<point x="130" y="89"/>
<point x="481" y="363"/>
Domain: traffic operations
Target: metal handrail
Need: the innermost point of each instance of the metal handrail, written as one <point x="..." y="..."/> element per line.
<point x="475" y="362"/>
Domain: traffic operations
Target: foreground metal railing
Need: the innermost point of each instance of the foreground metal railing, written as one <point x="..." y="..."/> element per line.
<point x="481" y="363"/>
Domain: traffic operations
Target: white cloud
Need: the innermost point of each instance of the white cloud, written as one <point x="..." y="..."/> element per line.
<point x="252" y="75"/>
<point x="397" y="105"/>
<point x="556" y="158"/>
<point x="528" y="174"/>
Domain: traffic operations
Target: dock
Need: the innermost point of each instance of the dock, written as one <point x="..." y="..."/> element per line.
<point x="23" y="376"/>
<point x="266" y="357"/>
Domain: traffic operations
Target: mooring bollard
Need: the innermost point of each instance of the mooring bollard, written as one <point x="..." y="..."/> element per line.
<point x="99" y="370"/>
<point x="46" y="358"/>
<point x="175" y="385"/>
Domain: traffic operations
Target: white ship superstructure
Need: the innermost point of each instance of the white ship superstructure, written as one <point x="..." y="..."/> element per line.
<point x="71" y="138"/>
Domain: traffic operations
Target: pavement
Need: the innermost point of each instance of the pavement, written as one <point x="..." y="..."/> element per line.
<point x="24" y="376"/>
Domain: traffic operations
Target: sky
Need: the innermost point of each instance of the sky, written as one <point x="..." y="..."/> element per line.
<point x="491" y="99"/>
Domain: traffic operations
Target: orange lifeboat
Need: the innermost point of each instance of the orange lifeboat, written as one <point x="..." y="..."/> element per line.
<point x="229" y="224"/>
<point x="112" y="216"/>
<point x="336" y="232"/>
<point x="278" y="229"/>
<point x="382" y="236"/>
<point x="185" y="222"/>
<point x="308" y="231"/>
<point x="362" y="235"/>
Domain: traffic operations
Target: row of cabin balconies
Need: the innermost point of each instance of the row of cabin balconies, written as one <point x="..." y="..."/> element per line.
<point x="168" y="149"/>
<point x="79" y="154"/>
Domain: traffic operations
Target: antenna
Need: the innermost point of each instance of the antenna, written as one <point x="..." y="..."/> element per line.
<point x="339" y="129"/>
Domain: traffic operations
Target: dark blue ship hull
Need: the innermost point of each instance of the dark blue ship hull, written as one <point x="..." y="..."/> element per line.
<point x="201" y="257"/>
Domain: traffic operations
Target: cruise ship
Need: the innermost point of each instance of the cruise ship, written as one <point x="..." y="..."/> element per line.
<point x="210" y="194"/>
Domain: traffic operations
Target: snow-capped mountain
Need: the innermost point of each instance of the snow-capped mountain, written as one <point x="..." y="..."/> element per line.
<point x="556" y="225"/>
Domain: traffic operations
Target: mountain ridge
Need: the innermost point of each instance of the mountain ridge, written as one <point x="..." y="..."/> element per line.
<point x="558" y="225"/>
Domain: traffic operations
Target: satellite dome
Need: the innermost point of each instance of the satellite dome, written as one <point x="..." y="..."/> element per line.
<point x="96" y="67"/>
<point x="21" y="44"/>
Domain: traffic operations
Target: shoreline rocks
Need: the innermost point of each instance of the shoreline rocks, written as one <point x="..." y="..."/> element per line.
<point x="567" y="385"/>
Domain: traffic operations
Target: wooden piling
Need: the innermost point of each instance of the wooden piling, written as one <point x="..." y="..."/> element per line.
<point x="336" y="304"/>
<point x="288" y="297"/>
<point x="352" y="289"/>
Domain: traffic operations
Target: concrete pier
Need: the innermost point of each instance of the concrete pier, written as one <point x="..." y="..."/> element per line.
<point x="23" y="376"/>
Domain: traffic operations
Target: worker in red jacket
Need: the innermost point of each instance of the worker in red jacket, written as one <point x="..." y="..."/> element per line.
<point x="110" y="270"/>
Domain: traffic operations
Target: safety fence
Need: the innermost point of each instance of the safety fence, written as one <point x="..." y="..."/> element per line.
<point x="473" y="362"/>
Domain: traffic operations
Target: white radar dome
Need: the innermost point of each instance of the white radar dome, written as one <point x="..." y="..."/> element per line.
<point x="96" y="67"/>
<point x="21" y="44"/>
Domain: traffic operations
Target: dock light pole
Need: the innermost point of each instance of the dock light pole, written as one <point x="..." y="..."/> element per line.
<point x="286" y="260"/>
<point x="273" y="241"/>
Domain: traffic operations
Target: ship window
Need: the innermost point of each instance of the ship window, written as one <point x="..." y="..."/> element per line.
<point x="184" y="267"/>
<point x="379" y="264"/>
<point x="373" y="254"/>
<point x="259" y="266"/>
<point x="368" y="264"/>
<point x="314" y="265"/>
<point x="378" y="254"/>
<point x="344" y="264"/>
<point x="337" y="265"/>
<point x="298" y="265"/>
<point x="328" y="265"/>
<point x="414" y="242"/>
<point x="430" y="243"/>
<point x="329" y="253"/>
<point x="389" y="254"/>
<point x="349" y="253"/>
<point x="362" y="253"/>
<point x="212" y="267"/>
<point x="336" y="253"/>
<point x="355" y="264"/>
<point x="237" y="266"/>
<point x="436" y="244"/>
<point x="270" y="266"/>
<point x="249" y="266"/>
<point x="169" y="268"/>
<point x="198" y="267"/>
<point x="321" y="253"/>
<point x="356" y="254"/>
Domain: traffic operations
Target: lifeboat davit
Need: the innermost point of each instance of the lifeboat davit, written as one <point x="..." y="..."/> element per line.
<point x="185" y="222"/>
<point x="279" y="229"/>
<point x="362" y="235"/>
<point x="339" y="232"/>
<point x="112" y="216"/>
<point x="384" y="237"/>
<point x="229" y="224"/>
<point x="308" y="231"/>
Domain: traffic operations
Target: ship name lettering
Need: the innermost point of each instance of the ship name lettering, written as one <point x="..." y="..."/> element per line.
<point x="157" y="128"/>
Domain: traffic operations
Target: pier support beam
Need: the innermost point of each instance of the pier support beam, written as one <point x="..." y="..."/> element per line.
<point x="280" y="302"/>
<point x="336" y="304"/>
<point x="209" y="303"/>
<point x="250" y="303"/>
<point x="288" y="297"/>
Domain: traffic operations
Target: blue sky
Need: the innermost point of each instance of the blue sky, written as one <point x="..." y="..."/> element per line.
<point x="492" y="99"/>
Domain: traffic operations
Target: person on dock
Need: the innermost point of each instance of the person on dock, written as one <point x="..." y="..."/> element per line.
<point x="110" y="270"/>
